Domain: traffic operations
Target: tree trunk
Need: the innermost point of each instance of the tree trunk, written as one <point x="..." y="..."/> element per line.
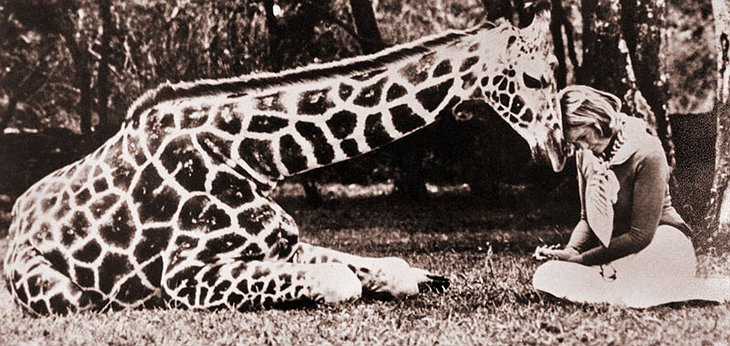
<point x="63" y="25"/>
<point x="83" y="79"/>
<point x="603" y="66"/>
<point x="275" y="58"/>
<point x="556" y="25"/>
<point x="621" y="55"/>
<point x="718" y="214"/>
<point x="570" y="38"/>
<point x="410" y="182"/>
<point x="367" y="26"/>
<point x="102" y="82"/>
<point x="642" y="24"/>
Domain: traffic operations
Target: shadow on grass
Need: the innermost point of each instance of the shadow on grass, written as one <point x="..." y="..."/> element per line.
<point x="454" y="216"/>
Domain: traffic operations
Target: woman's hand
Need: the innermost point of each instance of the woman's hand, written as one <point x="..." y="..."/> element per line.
<point x="568" y="254"/>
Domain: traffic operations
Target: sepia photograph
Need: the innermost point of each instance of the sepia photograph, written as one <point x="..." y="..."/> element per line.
<point x="364" y="172"/>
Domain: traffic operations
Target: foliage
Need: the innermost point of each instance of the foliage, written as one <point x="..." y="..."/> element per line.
<point x="156" y="41"/>
<point x="34" y="69"/>
<point x="690" y="57"/>
<point x="223" y="38"/>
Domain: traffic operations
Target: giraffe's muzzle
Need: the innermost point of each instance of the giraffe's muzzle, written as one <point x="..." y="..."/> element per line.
<point x="553" y="151"/>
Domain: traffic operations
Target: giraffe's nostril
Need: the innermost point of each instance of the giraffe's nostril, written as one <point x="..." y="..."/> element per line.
<point x="552" y="61"/>
<point x="544" y="82"/>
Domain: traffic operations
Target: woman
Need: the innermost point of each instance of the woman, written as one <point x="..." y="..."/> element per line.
<point x="628" y="247"/>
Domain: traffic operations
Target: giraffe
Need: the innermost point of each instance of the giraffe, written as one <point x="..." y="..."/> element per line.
<point x="174" y="210"/>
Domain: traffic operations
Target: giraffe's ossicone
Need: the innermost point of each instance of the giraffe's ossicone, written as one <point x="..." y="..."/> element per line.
<point x="174" y="210"/>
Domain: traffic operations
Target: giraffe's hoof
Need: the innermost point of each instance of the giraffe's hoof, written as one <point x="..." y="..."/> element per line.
<point x="435" y="283"/>
<point x="396" y="278"/>
<point x="334" y="283"/>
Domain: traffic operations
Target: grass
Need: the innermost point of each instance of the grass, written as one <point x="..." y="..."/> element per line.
<point x="485" y="253"/>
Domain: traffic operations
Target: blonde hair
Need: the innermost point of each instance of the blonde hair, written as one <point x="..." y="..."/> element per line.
<point x="585" y="106"/>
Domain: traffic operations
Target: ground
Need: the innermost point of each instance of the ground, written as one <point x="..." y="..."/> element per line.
<point x="485" y="253"/>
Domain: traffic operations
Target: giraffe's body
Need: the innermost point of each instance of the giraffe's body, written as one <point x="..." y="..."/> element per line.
<point x="174" y="209"/>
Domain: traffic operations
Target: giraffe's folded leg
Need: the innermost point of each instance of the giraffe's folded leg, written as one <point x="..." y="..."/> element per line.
<point x="257" y="284"/>
<point x="380" y="277"/>
<point x="41" y="289"/>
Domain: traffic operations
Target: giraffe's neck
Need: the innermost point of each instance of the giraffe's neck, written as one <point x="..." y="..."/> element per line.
<point x="277" y="125"/>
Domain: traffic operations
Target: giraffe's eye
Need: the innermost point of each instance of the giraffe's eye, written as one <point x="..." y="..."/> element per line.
<point x="531" y="82"/>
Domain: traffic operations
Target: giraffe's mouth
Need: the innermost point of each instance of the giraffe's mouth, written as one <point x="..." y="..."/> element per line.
<point x="554" y="151"/>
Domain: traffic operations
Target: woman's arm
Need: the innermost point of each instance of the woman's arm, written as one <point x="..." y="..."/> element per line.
<point x="646" y="209"/>
<point x="580" y="236"/>
<point x="571" y="252"/>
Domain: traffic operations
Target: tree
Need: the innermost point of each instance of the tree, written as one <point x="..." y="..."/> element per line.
<point x="718" y="214"/>
<point x="25" y="83"/>
<point x="409" y="154"/>
<point x="366" y="25"/>
<point x="297" y="26"/>
<point x="56" y="18"/>
<point x="621" y="55"/>
<point x="103" y="85"/>
<point x="643" y="23"/>
<point x="557" y="23"/>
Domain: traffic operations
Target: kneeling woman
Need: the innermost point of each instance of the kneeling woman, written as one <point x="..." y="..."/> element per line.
<point x="628" y="247"/>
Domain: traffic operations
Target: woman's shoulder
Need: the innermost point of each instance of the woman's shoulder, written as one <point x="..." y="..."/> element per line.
<point x="646" y="145"/>
<point x="650" y="146"/>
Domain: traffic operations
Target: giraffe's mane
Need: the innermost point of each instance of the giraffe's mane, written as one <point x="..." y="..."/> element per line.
<point x="239" y="85"/>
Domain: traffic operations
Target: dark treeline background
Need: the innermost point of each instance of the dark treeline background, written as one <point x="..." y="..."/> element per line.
<point x="70" y="68"/>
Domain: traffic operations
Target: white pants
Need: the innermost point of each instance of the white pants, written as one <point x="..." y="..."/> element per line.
<point x="661" y="273"/>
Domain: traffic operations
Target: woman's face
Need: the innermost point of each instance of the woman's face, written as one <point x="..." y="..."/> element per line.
<point x="587" y="138"/>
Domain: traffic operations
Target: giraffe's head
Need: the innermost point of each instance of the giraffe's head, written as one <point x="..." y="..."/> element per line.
<point x="514" y="76"/>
